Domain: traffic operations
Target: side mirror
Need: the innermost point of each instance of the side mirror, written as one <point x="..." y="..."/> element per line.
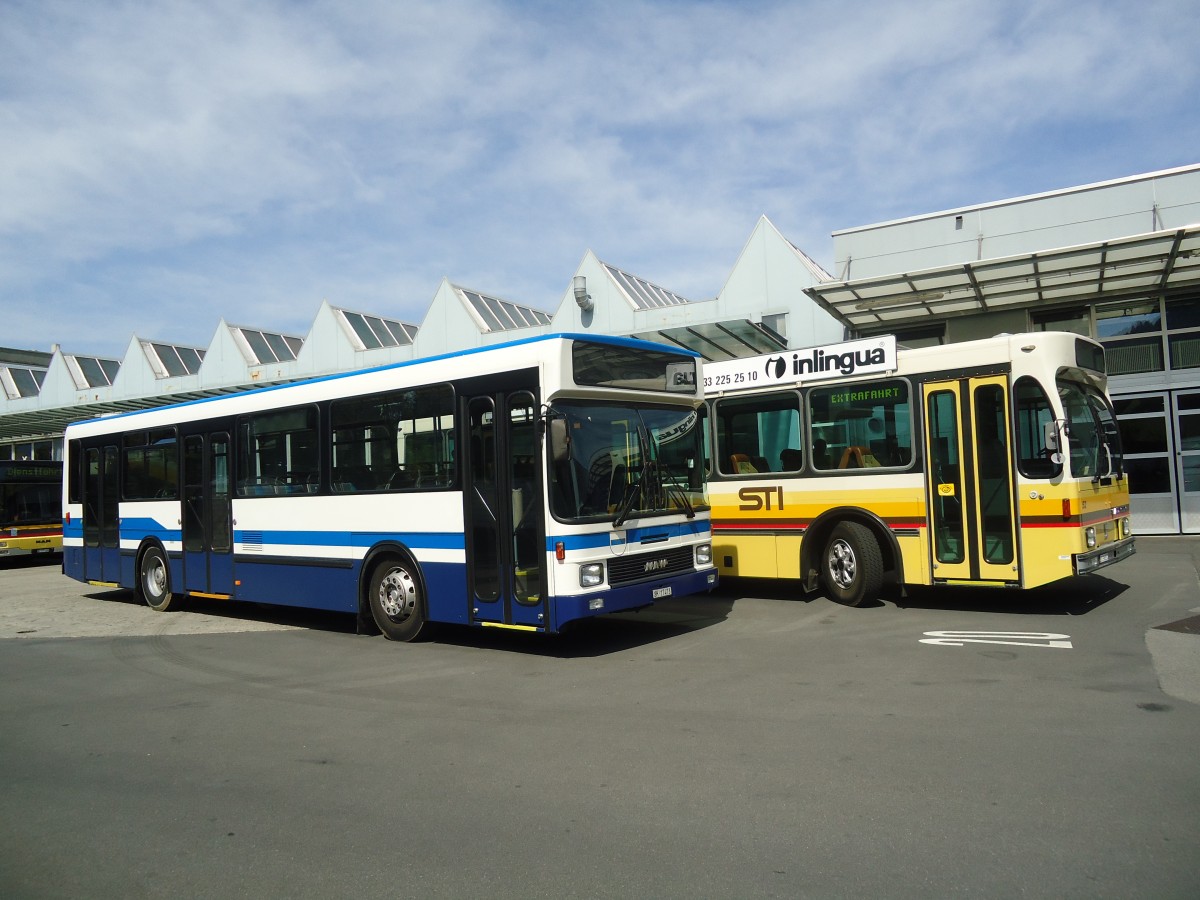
<point x="560" y="440"/>
<point x="1050" y="441"/>
<point x="1050" y="435"/>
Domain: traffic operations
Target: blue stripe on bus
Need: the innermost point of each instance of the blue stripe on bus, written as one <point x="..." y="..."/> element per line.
<point x="138" y="528"/>
<point x="416" y="540"/>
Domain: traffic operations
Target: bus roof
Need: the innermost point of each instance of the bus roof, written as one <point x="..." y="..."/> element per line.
<point x="524" y="361"/>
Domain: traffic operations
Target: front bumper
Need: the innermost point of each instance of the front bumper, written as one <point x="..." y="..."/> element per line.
<point x="1103" y="556"/>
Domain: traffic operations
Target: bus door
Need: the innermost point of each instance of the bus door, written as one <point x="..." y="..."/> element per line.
<point x="969" y="475"/>
<point x="207" y="519"/>
<point x="101" y="515"/>
<point x="502" y="497"/>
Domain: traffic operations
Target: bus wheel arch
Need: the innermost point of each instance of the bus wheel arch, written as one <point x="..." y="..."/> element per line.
<point x="154" y="578"/>
<point x="848" y="552"/>
<point x="392" y="594"/>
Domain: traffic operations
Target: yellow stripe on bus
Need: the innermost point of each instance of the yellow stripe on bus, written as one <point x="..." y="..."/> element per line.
<point x="510" y="627"/>
<point x="210" y="596"/>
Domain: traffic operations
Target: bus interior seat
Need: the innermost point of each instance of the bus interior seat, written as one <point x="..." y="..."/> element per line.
<point x="740" y="464"/>
<point x="760" y="463"/>
<point x="855" y="457"/>
<point x="261" y="486"/>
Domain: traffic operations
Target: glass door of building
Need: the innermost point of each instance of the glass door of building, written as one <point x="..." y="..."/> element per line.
<point x="1186" y="408"/>
<point x="1149" y="442"/>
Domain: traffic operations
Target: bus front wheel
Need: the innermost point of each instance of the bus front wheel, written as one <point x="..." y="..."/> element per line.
<point x="852" y="568"/>
<point x="397" y="604"/>
<point x="154" y="580"/>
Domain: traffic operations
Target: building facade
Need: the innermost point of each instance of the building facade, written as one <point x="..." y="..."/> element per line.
<point x="1118" y="261"/>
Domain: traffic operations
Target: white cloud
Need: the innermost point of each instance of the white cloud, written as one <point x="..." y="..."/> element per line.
<point x="175" y="162"/>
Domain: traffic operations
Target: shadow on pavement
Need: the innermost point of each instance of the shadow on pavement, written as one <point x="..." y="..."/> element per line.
<point x="588" y="638"/>
<point x="1070" y="597"/>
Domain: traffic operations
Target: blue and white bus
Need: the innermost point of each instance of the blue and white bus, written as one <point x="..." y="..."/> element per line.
<point x="524" y="486"/>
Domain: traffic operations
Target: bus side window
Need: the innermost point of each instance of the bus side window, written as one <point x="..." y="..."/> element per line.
<point x="752" y="431"/>
<point x="1033" y="413"/>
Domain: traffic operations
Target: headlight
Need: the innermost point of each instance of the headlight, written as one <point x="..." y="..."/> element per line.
<point x="1125" y="527"/>
<point x="704" y="554"/>
<point x="1090" y="533"/>
<point x="591" y="574"/>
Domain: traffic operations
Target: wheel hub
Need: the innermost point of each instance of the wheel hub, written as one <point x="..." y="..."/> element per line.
<point x="156" y="579"/>
<point x="398" y="595"/>
<point x="842" y="565"/>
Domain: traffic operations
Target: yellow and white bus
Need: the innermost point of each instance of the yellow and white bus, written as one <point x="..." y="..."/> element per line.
<point x="993" y="462"/>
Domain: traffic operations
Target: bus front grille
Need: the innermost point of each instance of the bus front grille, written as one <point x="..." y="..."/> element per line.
<point x="649" y="566"/>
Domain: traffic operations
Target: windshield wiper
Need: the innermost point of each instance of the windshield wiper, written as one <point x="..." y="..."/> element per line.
<point x="673" y="483"/>
<point x="627" y="503"/>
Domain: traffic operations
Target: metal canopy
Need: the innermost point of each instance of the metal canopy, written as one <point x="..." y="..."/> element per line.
<point x="42" y="422"/>
<point x="717" y="341"/>
<point x="1140" y="266"/>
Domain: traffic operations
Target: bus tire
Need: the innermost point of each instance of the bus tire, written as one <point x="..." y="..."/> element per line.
<point x="852" y="565"/>
<point x="397" y="602"/>
<point x="154" y="580"/>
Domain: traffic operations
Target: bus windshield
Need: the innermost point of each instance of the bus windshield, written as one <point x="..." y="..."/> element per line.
<point x="1092" y="436"/>
<point x="30" y="494"/>
<point x="623" y="463"/>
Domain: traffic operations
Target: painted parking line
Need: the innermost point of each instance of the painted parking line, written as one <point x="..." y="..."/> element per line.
<point x="1010" y="638"/>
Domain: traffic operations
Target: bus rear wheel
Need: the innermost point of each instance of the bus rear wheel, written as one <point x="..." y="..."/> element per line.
<point x="397" y="603"/>
<point x="852" y="567"/>
<point x="154" y="580"/>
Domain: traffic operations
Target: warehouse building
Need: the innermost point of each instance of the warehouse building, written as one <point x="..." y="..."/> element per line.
<point x="1118" y="261"/>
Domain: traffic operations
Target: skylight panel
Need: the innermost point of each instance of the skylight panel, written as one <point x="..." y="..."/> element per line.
<point x="269" y="347"/>
<point x="403" y="333"/>
<point x="177" y="361"/>
<point x="258" y="346"/>
<point x="170" y="360"/>
<point x="501" y="315"/>
<point x="365" y="334"/>
<point x="642" y="293"/>
<point x="280" y="346"/>
<point x="191" y="358"/>
<point x="28" y="382"/>
<point x="480" y="306"/>
<point x="97" y="372"/>
<point x="380" y="331"/>
<point x="374" y="332"/>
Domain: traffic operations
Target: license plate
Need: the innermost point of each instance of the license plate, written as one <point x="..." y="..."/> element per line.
<point x="659" y="593"/>
<point x="1104" y="557"/>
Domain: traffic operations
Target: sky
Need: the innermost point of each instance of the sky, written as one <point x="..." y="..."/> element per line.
<point x="164" y="165"/>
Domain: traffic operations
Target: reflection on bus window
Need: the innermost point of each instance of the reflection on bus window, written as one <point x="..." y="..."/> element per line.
<point x="1092" y="438"/>
<point x="864" y="425"/>
<point x="625" y="462"/>
<point x="397" y="441"/>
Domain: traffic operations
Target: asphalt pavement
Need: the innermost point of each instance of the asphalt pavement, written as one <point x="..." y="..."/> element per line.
<point x="747" y="743"/>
